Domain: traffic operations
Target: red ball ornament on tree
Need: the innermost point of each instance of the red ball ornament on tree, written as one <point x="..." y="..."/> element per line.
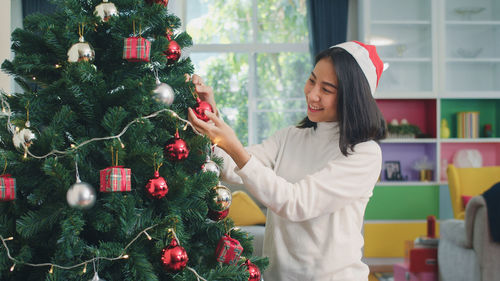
<point x="176" y="148"/>
<point x="173" y="51"/>
<point x="200" y="109"/>
<point x="157" y="186"/>
<point x="162" y="2"/>
<point x="253" y="270"/>
<point x="217" y="215"/>
<point x="174" y="257"/>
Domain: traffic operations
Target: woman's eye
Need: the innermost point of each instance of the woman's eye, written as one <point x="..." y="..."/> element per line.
<point x="311" y="80"/>
<point x="326" y="90"/>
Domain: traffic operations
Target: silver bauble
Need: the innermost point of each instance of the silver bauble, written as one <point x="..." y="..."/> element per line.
<point x="223" y="197"/>
<point x="105" y="10"/>
<point x="211" y="166"/>
<point x="97" y="278"/>
<point x="81" y="51"/>
<point x="81" y="195"/>
<point x="164" y="93"/>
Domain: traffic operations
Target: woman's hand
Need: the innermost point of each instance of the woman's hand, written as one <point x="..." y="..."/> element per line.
<point x="221" y="134"/>
<point x="205" y="92"/>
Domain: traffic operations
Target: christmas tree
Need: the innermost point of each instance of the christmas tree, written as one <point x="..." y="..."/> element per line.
<point x="102" y="175"/>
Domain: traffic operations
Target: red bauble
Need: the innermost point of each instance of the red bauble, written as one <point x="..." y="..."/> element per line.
<point x="163" y="2"/>
<point x="173" y="51"/>
<point x="157" y="186"/>
<point x="253" y="270"/>
<point x="200" y="109"/>
<point x="217" y="215"/>
<point x="176" y="148"/>
<point x="174" y="257"/>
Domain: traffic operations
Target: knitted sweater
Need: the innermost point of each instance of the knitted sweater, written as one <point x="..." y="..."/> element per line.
<point x="316" y="199"/>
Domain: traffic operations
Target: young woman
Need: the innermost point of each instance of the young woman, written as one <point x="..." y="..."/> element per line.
<point x="315" y="178"/>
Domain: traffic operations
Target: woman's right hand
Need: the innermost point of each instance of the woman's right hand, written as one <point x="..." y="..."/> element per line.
<point x="206" y="93"/>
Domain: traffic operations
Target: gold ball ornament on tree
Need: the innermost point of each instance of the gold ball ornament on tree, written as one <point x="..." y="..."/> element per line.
<point x="163" y="93"/>
<point x="81" y="195"/>
<point x="106" y="10"/>
<point x="81" y="51"/>
<point x="223" y="197"/>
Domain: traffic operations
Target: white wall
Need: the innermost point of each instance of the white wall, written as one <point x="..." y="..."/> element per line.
<point x="5" y="30"/>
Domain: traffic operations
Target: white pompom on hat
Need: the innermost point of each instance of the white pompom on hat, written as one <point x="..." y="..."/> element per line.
<point x="367" y="58"/>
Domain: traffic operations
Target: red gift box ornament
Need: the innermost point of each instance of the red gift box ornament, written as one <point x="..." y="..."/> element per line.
<point x="115" y="178"/>
<point x="7" y="188"/>
<point x="136" y="49"/>
<point x="228" y="250"/>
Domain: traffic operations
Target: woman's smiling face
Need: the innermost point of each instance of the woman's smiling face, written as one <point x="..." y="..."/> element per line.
<point x="321" y="92"/>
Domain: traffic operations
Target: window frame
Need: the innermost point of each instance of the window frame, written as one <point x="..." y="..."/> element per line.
<point x="252" y="48"/>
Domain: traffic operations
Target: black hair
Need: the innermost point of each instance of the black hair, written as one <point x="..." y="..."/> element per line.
<point x="359" y="117"/>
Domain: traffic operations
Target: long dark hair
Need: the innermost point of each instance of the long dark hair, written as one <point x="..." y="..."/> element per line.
<point x="359" y="117"/>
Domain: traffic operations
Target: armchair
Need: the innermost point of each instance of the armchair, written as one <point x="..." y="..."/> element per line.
<point x="466" y="251"/>
<point x="469" y="182"/>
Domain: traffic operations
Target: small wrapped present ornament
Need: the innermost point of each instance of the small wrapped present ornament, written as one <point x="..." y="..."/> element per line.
<point x="228" y="250"/>
<point x="7" y="188"/>
<point x="136" y="49"/>
<point x="115" y="179"/>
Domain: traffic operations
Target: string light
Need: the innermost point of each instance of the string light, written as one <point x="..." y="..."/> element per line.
<point x="84" y="264"/>
<point x="124" y="130"/>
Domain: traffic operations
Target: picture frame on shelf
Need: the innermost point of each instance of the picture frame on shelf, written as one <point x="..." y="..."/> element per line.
<point x="392" y="171"/>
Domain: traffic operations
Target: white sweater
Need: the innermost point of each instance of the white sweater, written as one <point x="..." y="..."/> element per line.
<point x="316" y="199"/>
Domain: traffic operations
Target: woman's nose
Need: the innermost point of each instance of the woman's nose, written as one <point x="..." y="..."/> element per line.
<point x="314" y="94"/>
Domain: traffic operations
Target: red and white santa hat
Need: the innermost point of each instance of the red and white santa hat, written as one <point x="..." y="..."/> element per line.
<point x="367" y="58"/>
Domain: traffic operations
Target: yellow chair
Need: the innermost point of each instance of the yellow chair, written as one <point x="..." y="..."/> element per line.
<point x="469" y="182"/>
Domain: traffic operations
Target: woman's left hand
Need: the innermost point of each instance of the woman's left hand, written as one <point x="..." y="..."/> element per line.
<point x="222" y="135"/>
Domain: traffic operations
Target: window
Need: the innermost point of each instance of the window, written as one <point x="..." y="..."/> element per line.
<point x="255" y="55"/>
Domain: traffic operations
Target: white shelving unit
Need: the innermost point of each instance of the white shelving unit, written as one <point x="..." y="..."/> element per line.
<point x="444" y="58"/>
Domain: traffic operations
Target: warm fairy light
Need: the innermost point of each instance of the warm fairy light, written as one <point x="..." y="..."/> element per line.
<point x="175" y="114"/>
<point x="34" y="78"/>
<point x="147" y="235"/>
<point x="12" y="267"/>
<point x="9" y="238"/>
<point x="25" y="155"/>
<point x="185" y="127"/>
<point x="57" y="65"/>
<point x="72" y="146"/>
<point x="125" y="257"/>
<point x="85" y="268"/>
<point x="51" y="269"/>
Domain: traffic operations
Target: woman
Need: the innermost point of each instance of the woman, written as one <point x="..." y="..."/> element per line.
<point x="316" y="178"/>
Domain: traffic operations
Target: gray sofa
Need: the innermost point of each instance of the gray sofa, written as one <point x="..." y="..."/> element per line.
<point x="466" y="250"/>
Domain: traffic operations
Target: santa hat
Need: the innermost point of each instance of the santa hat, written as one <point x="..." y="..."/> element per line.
<point x="367" y="58"/>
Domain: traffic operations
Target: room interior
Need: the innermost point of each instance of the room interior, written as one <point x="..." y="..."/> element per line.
<point x="440" y="96"/>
